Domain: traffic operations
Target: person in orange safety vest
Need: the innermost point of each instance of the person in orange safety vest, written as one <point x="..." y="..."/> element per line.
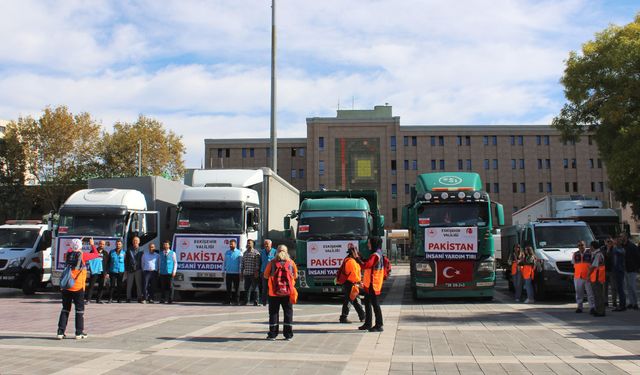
<point x="597" y="278"/>
<point x="351" y="273"/>
<point x="372" y="282"/>
<point x="281" y="274"/>
<point x="527" y="269"/>
<point x="581" y="261"/>
<point x="516" y="275"/>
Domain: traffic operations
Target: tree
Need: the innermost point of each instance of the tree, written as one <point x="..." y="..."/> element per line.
<point x="59" y="151"/>
<point x="602" y="86"/>
<point x="162" y="151"/>
<point x="12" y="176"/>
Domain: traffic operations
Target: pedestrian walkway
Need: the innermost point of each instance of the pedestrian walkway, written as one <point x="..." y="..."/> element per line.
<point x="429" y="337"/>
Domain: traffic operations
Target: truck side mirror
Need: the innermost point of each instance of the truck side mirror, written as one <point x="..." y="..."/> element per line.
<point x="256" y="217"/>
<point x="499" y="214"/>
<point x="380" y="228"/>
<point x="287" y="222"/>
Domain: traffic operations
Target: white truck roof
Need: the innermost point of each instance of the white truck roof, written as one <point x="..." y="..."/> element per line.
<point x="209" y="194"/>
<point x="132" y="199"/>
<point x="227" y="177"/>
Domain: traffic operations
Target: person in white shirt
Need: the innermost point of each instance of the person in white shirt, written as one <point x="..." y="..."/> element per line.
<point x="149" y="272"/>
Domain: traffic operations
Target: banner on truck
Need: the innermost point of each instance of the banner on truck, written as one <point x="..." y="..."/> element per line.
<point x="63" y="244"/>
<point x="325" y="257"/>
<point x="201" y="252"/>
<point x="451" y="243"/>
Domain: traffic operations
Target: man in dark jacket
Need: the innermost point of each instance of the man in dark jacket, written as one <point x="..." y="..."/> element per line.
<point x="610" y="284"/>
<point x="133" y="269"/>
<point x="632" y="264"/>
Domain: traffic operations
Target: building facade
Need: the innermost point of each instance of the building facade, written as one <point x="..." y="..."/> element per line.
<point x="369" y="149"/>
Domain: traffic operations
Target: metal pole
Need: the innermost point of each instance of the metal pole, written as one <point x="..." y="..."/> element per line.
<point x="274" y="135"/>
<point x="140" y="157"/>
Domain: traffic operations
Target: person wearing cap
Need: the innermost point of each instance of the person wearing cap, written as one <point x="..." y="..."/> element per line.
<point x="581" y="261"/>
<point x="75" y="294"/>
<point x="352" y="275"/>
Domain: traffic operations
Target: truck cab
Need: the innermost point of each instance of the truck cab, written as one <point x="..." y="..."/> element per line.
<point x="554" y="242"/>
<point x="25" y="255"/>
<point x="104" y="214"/>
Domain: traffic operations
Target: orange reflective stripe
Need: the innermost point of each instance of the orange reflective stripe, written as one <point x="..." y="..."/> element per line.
<point x="527" y="271"/>
<point x="581" y="270"/>
<point x="598" y="274"/>
<point x="514" y="268"/>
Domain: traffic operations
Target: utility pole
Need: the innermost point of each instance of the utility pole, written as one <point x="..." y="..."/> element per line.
<point x="274" y="134"/>
<point x="139" y="157"/>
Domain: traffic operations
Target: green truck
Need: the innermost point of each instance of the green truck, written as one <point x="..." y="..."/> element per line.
<point x="450" y="221"/>
<point x="328" y="222"/>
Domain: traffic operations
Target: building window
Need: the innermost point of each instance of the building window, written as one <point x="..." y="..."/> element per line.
<point x="433" y="140"/>
<point x="394" y="191"/>
<point x="601" y="186"/>
<point x="591" y="163"/>
<point x="252" y="152"/>
<point x="414" y="140"/>
<point x="301" y="151"/>
<point x="460" y="164"/>
<point x="301" y="173"/>
<point x="521" y="163"/>
<point x="512" y="140"/>
<point x="321" y="143"/>
<point x="494" y="140"/>
<point x="294" y="174"/>
<point x="486" y="163"/>
<point x="575" y="187"/>
<point x="593" y="186"/>
<point x="523" y="188"/>
<point x="407" y="188"/>
<point x="393" y="143"/>
<point x="487" y="187"/>
<point x="513" y="163"/>
<point x="227" y="152"/>
<point x="219" y="152"/>
<point x="321" y="167"/>
<point x="441" y="140"/>
<point x="549" y="189"/>
<point x="545" y="139"/>
<point x="566" y="187"/>
<point x="406" y="165"/>
<point x="293" y="151"/>
<point x="599" y="163"/>
<point x="393" y="167"/>
<point x="244" y="153"/>
<point x="469" y="164"/>
<point x="496" y="187"/>
<point x="467" y="140"/>
<point x="441" y="165"/>
<point x="414" y="165"/>
<point x="394" y="214"/>
<point x="485" y="140"/>
<point x="495" y="163"/>
<point x="433" y="165"/>
<point x="459" y="141"/>
<point x="406" y="140"/>
<point x="520" y="140"/>
<point x="547" y="163"/>
<point x="538" y="140"/>
<point x="539" y="163"/>
<point x="540" y="187"/>
<point x="514" y="187"/>
<point x="565" y="163"/>
<point x="573" y="163"/>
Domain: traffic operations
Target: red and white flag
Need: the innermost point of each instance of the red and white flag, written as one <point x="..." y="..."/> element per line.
<point x="424" y="221"/>
<point x="453" y="271"/>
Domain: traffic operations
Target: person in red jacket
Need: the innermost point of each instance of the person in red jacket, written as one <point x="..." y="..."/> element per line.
<point x="75" y="294"/>
<point x="372" y="282"/>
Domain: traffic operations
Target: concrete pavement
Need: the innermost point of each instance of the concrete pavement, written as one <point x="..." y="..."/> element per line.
<point x="429" y="337"/>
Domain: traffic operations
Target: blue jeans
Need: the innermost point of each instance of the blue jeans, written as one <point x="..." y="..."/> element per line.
<point x="149" y="284"/>
<point x="632" y="295"/>
<point x="620" y="287"/>
<point x="528" y="284"/>
<point x="517" y="285"/>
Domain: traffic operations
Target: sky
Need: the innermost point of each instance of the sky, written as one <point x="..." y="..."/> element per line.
<point x="202" y="68"/>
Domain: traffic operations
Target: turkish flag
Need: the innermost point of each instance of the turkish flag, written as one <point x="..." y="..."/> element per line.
<point x="453" y="271"/>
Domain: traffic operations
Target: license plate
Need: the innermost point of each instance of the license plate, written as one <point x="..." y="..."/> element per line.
<point x="454" y="285"/>
<point x="205" y="274"/>
<point x="7" y="277"/>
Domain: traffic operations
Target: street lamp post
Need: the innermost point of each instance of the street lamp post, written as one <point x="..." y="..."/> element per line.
<point x="274" y="135"/>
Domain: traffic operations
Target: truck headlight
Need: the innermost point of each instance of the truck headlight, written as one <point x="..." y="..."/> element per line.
<point x="17" y="262"/>
<point x="548" y="266"/>
<point x="486" y="266"/>
<point x="179" y="277"/>
<point x="423" y="267"/>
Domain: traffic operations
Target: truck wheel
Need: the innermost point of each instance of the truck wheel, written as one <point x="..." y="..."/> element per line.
<point x="414" y="293"/>
<point x="30" y="284"/>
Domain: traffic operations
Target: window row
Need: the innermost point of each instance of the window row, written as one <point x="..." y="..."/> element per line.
<point x="250" y="152"/>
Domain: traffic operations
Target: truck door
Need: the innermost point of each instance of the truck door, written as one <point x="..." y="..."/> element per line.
<point x="146" y="226"/>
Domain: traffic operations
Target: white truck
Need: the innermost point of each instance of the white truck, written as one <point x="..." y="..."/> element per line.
<point x="108" y="212"/>
<point x="603" y="221"/>
<point x="25" y="255"/>
<point x="222" y="205"/>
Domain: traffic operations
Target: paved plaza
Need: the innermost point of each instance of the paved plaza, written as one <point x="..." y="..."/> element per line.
<point x="430" y="337"/>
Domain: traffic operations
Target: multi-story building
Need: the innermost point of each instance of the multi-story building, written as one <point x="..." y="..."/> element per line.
<point x="369" y="149"/>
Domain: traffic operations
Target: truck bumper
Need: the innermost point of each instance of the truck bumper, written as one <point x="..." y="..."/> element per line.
<point x="11" y="277"/>
<point x="557" y="282"/>
<point x="316" y="285"/>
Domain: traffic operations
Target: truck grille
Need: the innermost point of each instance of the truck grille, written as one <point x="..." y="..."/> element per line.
<point x="3" y="263"/>
<point x="565" y="267"/>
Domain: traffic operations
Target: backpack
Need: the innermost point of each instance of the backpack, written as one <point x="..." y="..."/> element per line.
<point x="281" y="284"/>
<point x="73" y="261"/>
<point x="341" y="276"/>
<point x="387" y="267"/>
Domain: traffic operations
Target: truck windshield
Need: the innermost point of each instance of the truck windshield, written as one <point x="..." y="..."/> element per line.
<point x="454" y="214"/>
<point x="332" y="225"/>
<point x="22" y="238"/>
<point x="564" y="236"/>
<point x="81" y="225"/>
<point x="602" y="231"/>
<point x="210" y="220"/>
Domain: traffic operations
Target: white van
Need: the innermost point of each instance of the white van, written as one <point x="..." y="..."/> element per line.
<point x="25" y="255"/>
